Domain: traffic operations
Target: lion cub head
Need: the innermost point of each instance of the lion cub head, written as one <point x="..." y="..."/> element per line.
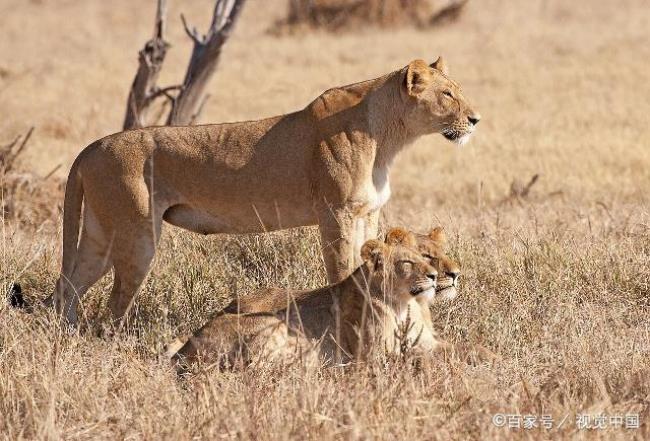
<point x="398" y="271"/>
<point x="435" y="103"/>
<point x="431" y="247"/>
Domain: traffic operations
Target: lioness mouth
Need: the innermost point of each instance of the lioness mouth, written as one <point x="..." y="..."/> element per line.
<point x="451" y="135"/>
<point x="415" y="291"/>
<point x="456" y="136"/>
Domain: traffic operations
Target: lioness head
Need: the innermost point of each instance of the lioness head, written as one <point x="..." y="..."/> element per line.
<point x="398" y="271"/>
<point x="435" y="103"/>
<point x="431" y="247"/>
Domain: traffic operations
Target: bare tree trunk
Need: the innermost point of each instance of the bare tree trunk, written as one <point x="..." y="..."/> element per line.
<point x="188" y="104"/>
<point x="144" y="89"/>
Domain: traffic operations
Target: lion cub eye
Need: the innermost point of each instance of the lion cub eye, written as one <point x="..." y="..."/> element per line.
<point x="448" y="93"/>
<point x="433" y="260"/>
<point x="407" y="265"/>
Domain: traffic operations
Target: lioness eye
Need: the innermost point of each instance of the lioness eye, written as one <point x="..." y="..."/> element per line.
<point x="448" y="93"/>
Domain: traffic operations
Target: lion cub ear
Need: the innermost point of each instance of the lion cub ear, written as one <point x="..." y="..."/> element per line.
<point x="441" y="66"/>
<point x="374" y="252"/>
<point x="400" y="236"/>
<point x="417" y="78"/>
<point x="438" y="236"/>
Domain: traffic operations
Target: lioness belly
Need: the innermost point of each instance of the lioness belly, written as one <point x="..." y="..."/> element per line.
<point x="240" y="220"/>
<point x="230" y="187"/>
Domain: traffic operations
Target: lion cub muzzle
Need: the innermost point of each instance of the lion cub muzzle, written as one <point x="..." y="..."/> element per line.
<point x="425" y="287"/>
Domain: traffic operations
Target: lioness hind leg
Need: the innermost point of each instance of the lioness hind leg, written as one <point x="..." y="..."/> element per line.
<point x="91" y="263"/>
<point x="131" y="264"/>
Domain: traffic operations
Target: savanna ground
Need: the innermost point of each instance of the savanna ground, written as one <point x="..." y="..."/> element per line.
<point x="557" y="283"/>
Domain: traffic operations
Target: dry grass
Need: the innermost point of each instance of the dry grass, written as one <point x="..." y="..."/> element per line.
<point x="351" y="15"/>
<point x="557" y="283"/>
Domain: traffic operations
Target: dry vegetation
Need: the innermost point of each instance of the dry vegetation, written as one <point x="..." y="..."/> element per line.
<point x="555" y="280"/>
<point x="351" y="15"/>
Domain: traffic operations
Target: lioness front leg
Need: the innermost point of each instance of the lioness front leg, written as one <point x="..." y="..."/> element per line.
<point x="367" y="227"/>
<point x="337" y="241"/>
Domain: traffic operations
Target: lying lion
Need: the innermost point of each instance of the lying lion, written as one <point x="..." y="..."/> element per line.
<point x="327" y="165"/>
<point x="265" y="311"/>
<point x="431" y="247"/>
<point x="377" y="312"/>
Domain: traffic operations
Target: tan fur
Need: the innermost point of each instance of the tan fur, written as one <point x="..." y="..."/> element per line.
<point x="232" y="340"/>
<point x="326" y="165"/>
<point x="352" y="319"/>
<point x="432" y="247"/>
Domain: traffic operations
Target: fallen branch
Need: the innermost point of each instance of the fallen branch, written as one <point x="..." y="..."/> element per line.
<point x="519" y="191"/>
<point x="8" y="155"/>
<point x="24" y="196"/>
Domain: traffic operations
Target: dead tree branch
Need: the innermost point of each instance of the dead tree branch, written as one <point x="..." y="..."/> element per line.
<point x="203" y="61"/>
<point x="519" y="191"/>
<point x="8" y="155"/>
<point x="12" y="181"/>
<point x="151" y="58"/>
<point x="156" y="92"/>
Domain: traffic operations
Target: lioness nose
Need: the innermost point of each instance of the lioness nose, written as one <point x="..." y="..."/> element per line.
<point x="474" y="119"/>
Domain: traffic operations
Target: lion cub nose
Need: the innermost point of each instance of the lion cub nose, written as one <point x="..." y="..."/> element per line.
<point x="474" y="119"/>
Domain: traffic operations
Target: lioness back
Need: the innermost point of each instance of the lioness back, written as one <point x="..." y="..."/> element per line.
<point x="241" y="338"/>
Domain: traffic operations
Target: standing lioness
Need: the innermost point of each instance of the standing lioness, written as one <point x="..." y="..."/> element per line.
<point x="325" y="165"/>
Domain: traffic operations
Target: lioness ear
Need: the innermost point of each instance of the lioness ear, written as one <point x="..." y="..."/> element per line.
<point x="438" y="235"/>
<point x="400" y="236"/>
<point x="417" y="77"/>
<point x="373" y="251"/>
<point x="441" y="66"/>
